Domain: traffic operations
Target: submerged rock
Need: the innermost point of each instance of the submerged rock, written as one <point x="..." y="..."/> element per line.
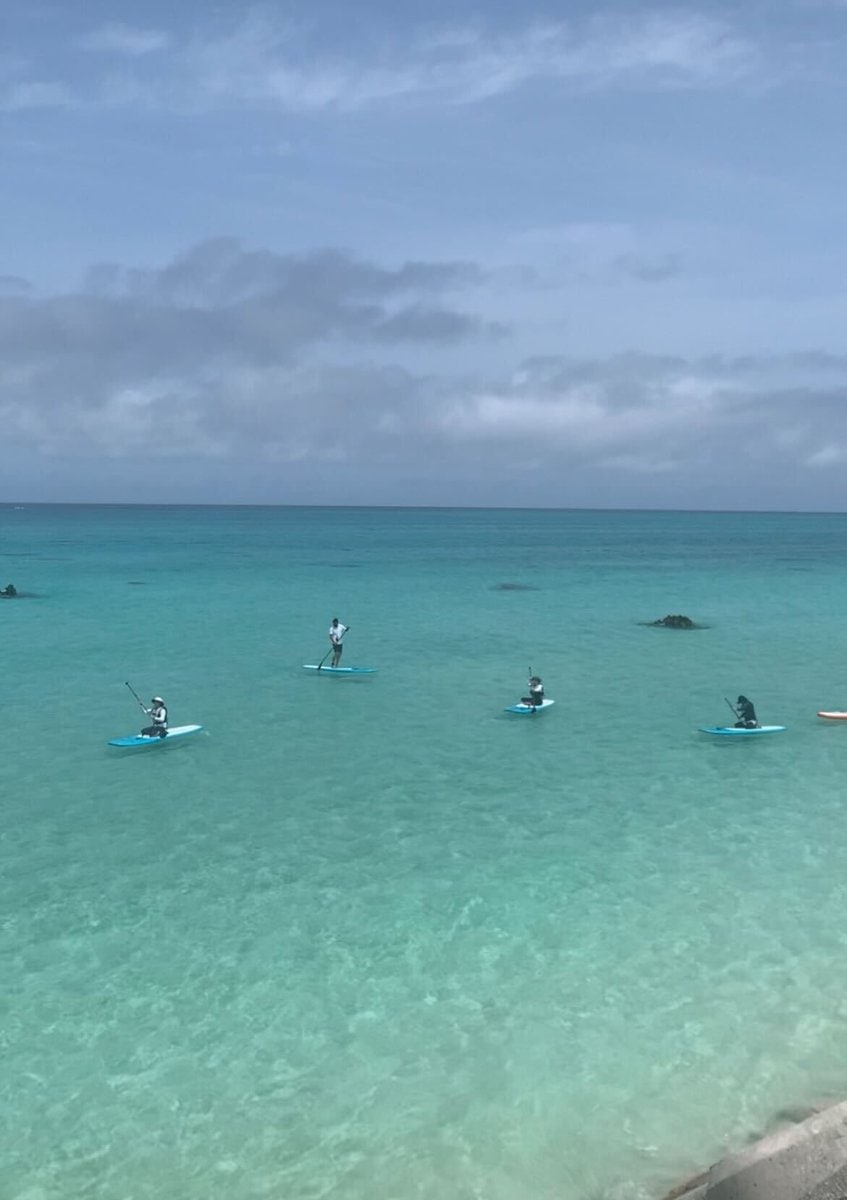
<point x="10" y="592"/>
<point x="675" y="621"/>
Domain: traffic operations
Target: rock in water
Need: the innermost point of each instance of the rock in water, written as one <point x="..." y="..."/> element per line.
<point x="676" y="621"/>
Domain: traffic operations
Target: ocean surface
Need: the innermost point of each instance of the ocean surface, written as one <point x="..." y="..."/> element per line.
<point x="372" y="938"/>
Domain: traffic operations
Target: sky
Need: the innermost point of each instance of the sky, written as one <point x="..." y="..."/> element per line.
<point x="561" y="255"/>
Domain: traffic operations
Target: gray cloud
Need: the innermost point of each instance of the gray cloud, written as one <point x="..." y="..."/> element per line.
<point x="220" y="271"/>
<point x="257" y="363"/>
<point x="14" y="284"/>
<point x="220" y="302"/>
<point x="645" y="270"/>
<point x="222" y="339"/>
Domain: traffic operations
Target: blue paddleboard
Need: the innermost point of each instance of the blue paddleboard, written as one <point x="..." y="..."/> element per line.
<point x="138" y="739"/>
<point x="530" y="710"/>
<point x="731" y="731"/>
<point x="339" y="670"/>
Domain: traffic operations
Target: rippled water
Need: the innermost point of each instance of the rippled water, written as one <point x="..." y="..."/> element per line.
<point x="372" y="938"/>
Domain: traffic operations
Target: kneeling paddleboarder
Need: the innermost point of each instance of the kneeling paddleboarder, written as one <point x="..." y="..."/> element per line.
<point x="746" y="714"/>
<point x="158" y="714"/>
<point x="536" y="692"/>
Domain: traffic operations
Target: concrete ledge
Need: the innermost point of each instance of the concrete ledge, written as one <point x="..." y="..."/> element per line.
<point x="804" y="1162"/>
<point x="692" y="1191"/>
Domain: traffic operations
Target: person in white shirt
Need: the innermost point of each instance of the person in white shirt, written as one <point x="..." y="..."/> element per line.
<point x="336" y="633"/>
<point x="158" y="714"/>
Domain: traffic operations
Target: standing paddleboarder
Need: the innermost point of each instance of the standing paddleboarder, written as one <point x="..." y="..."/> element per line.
<point x="336" y="633"/>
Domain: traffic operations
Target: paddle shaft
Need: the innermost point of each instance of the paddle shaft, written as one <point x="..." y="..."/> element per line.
<point x="330" y="650"/>
<point x="534" y="709"/>
<point x="732" y="706"/>
<point x="138" y="698"/>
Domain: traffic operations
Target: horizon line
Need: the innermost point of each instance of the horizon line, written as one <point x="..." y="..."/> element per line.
<point x="21" y="504"/>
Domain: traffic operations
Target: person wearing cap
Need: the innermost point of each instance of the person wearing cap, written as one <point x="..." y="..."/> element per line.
<point x="746" y="714"/>
<point x="336" y="633"/>
<point x="536" y="692"/>
<point x="158" y="714"/>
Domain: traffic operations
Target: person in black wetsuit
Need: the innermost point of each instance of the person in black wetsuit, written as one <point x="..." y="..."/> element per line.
<point x="746" y="714"/>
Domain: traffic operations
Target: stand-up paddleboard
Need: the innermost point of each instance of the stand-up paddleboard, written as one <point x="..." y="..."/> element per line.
<point x="174" y="733"/>
<point x="731" y="731"/>
<point x="340" y="670"/>
<point x="530" y="709"/>
<point x="834" y="714"/>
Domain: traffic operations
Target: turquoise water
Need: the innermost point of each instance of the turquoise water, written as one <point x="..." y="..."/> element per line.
<point x="372" y="938"/>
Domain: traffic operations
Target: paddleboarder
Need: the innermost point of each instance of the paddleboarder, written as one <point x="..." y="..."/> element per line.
<point x="746" y="714"/>
<point x="158" y="714"/>
<point x="536" y="692"/>
<point x="336" y="633"/>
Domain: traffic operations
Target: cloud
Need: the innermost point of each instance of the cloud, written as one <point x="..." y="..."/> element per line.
<point x="17" y="97"/>
<point x="143" y="357"/>
<point x="11" y="284"/>
<point x="220" y="271"/>
<point x="263" y="62"/>
<point x="258" y="63"/>
<point x="580" y="410"/>
<point x="646" y="270"/>
<point x="253" y="362"/>
<point x="829" y="455"/>
<point x="125" y="39"/>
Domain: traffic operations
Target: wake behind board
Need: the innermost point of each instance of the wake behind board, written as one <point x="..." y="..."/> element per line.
<point x="340" y="670"/>
<point x="833" y="715"/>
<point x="731" y="731"/>
<point x="530" y="709"/>
<point x="173" y="734"/>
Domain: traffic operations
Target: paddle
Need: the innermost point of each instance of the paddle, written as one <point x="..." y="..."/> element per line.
<point x="734" y="709"/>
<point x="534" y="709"/>
<point x="138" y="698"/>
<point x="330" y="650"/>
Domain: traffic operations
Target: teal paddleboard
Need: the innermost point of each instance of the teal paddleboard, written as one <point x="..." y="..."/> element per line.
<point x="173" y="734"/>
<point x="339" y="670"/>
<point x="731" y="731"/>
<point x="530" y="710"/>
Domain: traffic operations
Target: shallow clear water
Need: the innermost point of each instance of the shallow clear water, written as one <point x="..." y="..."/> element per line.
<point x="372" y="937"/>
